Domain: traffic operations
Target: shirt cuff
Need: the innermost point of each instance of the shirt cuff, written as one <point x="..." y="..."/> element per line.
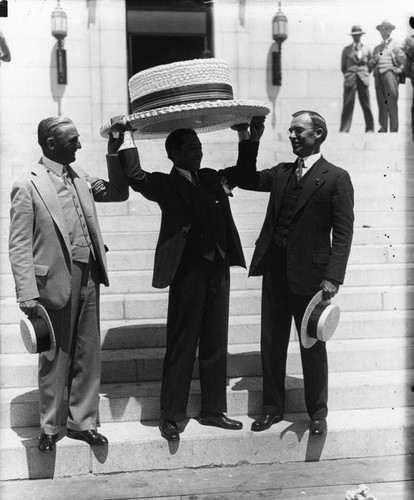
<point x="128" y="141"/>
<point x="243" y="135"/>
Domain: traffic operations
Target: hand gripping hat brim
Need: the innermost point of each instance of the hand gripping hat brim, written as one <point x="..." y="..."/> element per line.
<point x="38" y="335"/>
<point x="319" y="321"/>
<point x="193" y="94"/>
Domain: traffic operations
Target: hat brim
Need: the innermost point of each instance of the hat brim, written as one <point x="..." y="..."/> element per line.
<point x="29" y="335"/>
<point x="386" y="26"/>
<point x="357" y="33"/>
<point x="329" y="319"/>
<point x="204" y="116"/>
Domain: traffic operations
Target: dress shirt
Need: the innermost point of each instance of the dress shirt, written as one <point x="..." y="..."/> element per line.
<point x="309" y="161"/>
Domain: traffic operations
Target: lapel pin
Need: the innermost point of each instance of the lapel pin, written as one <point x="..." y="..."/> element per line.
<point x="317" y="181"/>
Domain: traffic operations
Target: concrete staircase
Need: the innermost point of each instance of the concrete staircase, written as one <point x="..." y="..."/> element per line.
<point x="370" y="357"/>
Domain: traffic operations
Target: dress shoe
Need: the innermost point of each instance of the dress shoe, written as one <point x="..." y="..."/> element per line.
<point x="90" y="436"/>
<point x="318" y="427"/>
<point x="169" y="430"/>
<point x="47" y="442"/>
<point x="265" y="421"/>
<point x="219" y="420"/>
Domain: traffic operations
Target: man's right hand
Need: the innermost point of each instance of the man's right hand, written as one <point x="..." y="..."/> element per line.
<point x="29" y="307"/>
<point x="257" y="128"/>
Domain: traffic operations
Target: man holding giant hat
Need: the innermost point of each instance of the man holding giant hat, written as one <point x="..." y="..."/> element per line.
<point x="388" y="62"/>
<point x="354" y="66"/>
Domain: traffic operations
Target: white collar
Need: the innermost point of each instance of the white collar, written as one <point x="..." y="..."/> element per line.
<point x="309" y="161"/>
<point x="53" y="165"/>
<point x="185" y="173"/>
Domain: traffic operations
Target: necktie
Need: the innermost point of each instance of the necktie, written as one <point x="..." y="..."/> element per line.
<point x="65" y="175"/>
<point x="194" y="178"/>
<point x="299" y="169"/>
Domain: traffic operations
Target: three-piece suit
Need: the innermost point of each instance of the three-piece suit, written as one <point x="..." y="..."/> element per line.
<point x="58" y="257"/>
<point x="354" y="66"/>
<point x="294" y="253"/>
<point x="197" y="243"/>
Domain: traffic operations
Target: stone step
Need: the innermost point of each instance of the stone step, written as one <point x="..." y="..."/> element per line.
<point x="145" y="364"/>
<point x="141" y="333"/>
<point x="139" y="446"/>
<point x="153" y="304"/>
<point x="129" y="402"/>
<point x="132" y="281"/>
<point x="146" y="240"/>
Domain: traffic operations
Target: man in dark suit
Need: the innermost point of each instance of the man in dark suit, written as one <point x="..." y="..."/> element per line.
<point x="354" y="66"/>
<point x="198" y="241"/>
<point x="296" y="256"/>
<point x="58" y="260"/>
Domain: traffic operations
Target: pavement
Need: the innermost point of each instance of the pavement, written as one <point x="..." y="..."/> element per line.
<point x="388" y="478"/>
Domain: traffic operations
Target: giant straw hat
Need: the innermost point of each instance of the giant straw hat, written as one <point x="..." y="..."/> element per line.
<point x="38" y="335"/>
<point x="193" y="94"/>
<point x="319" y="321"/>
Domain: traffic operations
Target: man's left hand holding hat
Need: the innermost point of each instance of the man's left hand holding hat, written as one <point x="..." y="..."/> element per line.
<point x="29" y="307"/>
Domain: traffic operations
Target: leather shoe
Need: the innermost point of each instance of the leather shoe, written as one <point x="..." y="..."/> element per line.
<point x="47" y="442"/>
<point x="90" y="436"/>
<point x="169" y="430"/>
<point x="219" y="420"/>
<point x="318" y="427"/>
<point x="265" y="421"/>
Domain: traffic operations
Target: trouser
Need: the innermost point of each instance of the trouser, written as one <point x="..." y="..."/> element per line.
<point x="279" y="306"/>
<point x="77" y="363"/>
<point x="386" y="86"/>
<point x="349" y="102"/>
<point x="198" y="312"/>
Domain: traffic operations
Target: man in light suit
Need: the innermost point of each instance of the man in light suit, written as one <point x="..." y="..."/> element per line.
<point x="309" y="199"/>
<point x="388" y="62"/>
<point x="58" y="260"/>
<point x="354" y="66"/>
<point x="197" y="244"/>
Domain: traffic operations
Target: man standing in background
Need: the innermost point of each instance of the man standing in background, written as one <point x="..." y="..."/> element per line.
<point x="354" y="66"/>
<point x="409" y="53"/>
<point x="388" y="63"/>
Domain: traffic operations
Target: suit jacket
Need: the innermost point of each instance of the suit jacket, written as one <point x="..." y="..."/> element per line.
<point x="325" y="206"/>
<point x="172" y="193"/>
<point x="354" y="68"/>
<point x="397" y="55"/>
<point x="39" y="248"/>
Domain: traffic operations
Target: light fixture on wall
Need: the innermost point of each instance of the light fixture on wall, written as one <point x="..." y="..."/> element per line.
<point x="59" y="31"/>
<point x="280" y="33"/>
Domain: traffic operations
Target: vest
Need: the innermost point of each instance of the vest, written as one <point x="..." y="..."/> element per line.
<point x="208" y="231"/>
<point x="287" y="209"/>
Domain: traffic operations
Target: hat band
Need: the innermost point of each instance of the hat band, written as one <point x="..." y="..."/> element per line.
<point x="184" y="94"/>
<point x="43" y="336"/>
<point x="313" y="321"/>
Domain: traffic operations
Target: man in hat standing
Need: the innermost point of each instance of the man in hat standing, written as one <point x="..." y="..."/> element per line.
<point x="409" y="52"/>
<point x="197" y="244"/>
<point x="303" y="248"/>
<point x="354" y="66"/>
<point x="58" y="261"/>
<point x="388" y="62"/>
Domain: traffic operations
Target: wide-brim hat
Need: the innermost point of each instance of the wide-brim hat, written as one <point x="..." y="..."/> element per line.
<point x="193" y="94"/>
<point x="385" y="24"/>
<point x="357" y="30"/>
<point x="319" y="321"/>
<point x="38" y="335"/>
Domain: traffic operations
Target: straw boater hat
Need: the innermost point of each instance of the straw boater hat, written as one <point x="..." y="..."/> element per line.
<point x="187" y="94"/>
<point x="356" y="30"/>
<point x="319" y="321"/>
<point x="38" y="335"/>
<point x="385" y="24"/>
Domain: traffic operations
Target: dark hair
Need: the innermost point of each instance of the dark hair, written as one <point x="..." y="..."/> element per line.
<point x="175" y="139"/>
<point x="50" y="127"/>
<point x="317" y="120"/>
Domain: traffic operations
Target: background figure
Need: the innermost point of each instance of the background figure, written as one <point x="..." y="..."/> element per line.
<point x="4" y="49"/>
<point x="388" y="62"/>
<point x="354" y="66"/>
<point x="310" y="200"/>
<point x="409" y="52"/>
<point x="198" y="242"/>
<point x="58" y="260"/>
